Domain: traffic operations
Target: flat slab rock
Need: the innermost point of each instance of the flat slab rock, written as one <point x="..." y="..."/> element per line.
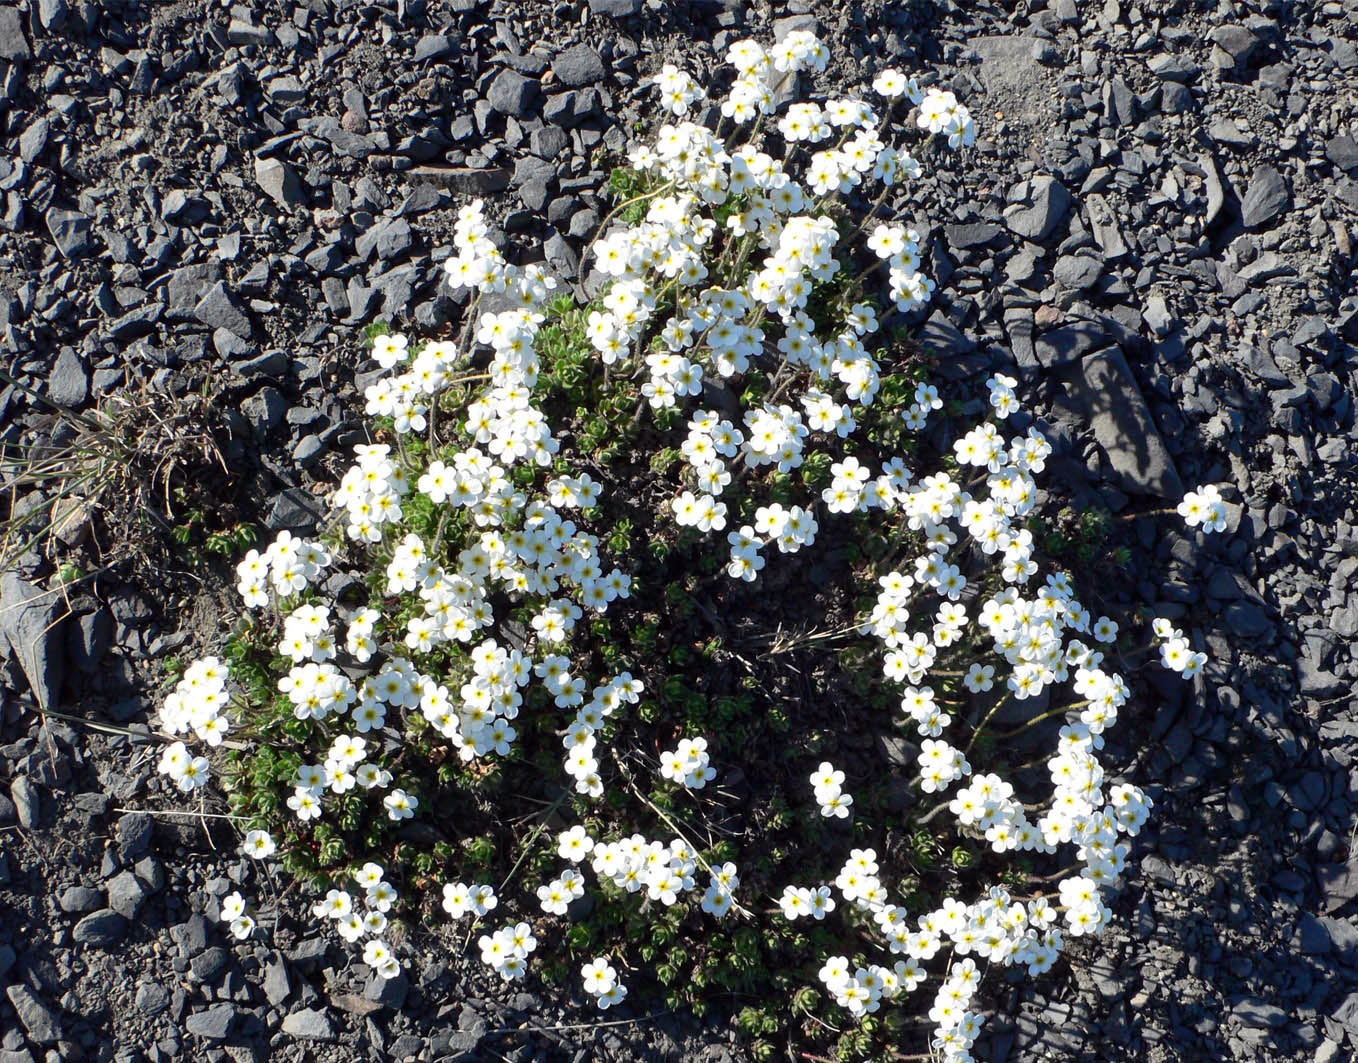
<point x="1103" y="386"/>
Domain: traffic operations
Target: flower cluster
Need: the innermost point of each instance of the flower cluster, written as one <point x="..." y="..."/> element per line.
<point x="736" y="270"/>
<point x="233" y="914"/>
<point x="354" y="924"/>
<point x="828" y="784"/>
<point x="288" y="566"/>
<point x="601" y="982"/>
<point x="688" y="764"/>
<point x="1204" y="507"/>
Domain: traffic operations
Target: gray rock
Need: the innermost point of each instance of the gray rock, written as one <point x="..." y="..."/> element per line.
<point x="286" y="90"/>
<point x="1216" y="191"/>
<point x="209" y="963"/>
<point x="1235" y="41"/>
<point x="1121" y="102"/>
<point x="1067" y="343"/>
<point x="41" y="1022"/>
<point x="434" y="46"/>
<point x="133" y="833"/>
<point x="578" y="66"/>
<point x="13" y="43"/>
<point x="1173" y="68"/>
<point x="69" y="381"/>
<point x="218" y="308"/>
<point x="389" y="239"/>
<point x="1158" y="316"/>
<point x="52" y="14"/>
<point x="126" y="893"/>
<point x="105" y="927"/>
<point x="973" y="234"/>
<point x="1176" y="98"/>
<point x="278" y="181"/>
<point x="1255" y="1012"/>
<point x="276" y="983"/>
<point x="469" y="181"/>
<point x="615" y="8"/>
<point x="70" y="229"/>
<point x="33" y="140"/>
<point x="243" y="32"/>
<point x="265" y="410"/>
<point x="1103" y="224"/>
<point x="1104" y="387"/>
<point x="512" y="94"/>
<point x="152" y="998"/>
<point x="1035" y="207"/>
<point x="1343" y="152"/>
<point x="389" y="991"/>
<point x="27" y="804"/>
<point x="213" y="1023"/>
<point x="1228" y="131"/>
<point x="310" y="1024"/>
<point x="181" y="207"/>
<point x="30" y="620"/>
<point x="76" y="899"/>
<point x="1077" y="272"/>
<point x="294" y="510"/>
<point x="1265" y="198"/>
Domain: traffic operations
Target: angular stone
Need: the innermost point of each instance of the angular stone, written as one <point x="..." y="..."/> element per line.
<point x="1235" y="41"/>
<point x="1343" y="152"/>
<point x="309" y="1024"/>
<point x="39" y="1020"/>
<point x="1173" y="68"/>
<point x="614" y="8"/>
<point x="1077" y="272"/>
<point x="1062" y="346"/>
<point x="27" y="803"/>
<point x="512" y="94"/>
<point x="218" y="308"/>
<point x="578" y="66"/>
<point x="468" y="181"/>
<point x="1035" y="207"/>
<point x="279" y="182"/>
<point x="1255" y="1012"/>
<point x="243" y="32"/>
<point x="1176" y="98"/>
<point x="1216" y="191"/>
<point x="13" y="43"/>
<point x="105" y="927"/>
<point x="434" y="46"/>
<point x="69" y="381"/>
<point x="30" y="620"/>
<point x="52" y="14"/>
<point x="213" y="1023"/>
<point x="973" y="234"/>
<point x="389" y="239"/>
<point x="1117" y="413"/>
<point x="1265" y="198"/>
<point x="286" y="90"/>
<point x="75" y="899"/>
<point x="1103" y="224"/>
<point x="70" y="229"/>
<point x="125" y="894"/>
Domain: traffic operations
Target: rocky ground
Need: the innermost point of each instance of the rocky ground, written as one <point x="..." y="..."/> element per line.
<point x="1155" y="231"/>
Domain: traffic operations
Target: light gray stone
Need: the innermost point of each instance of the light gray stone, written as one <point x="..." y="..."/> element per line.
<point x="279" y="182"/>
<point x="1103" y="385"/>
<point x="1036" y="206"/>
<point x="1266" y="197"/>
<point x="309" y="1024"/>
<point x="30" y="619"/>
<point x="39" y="1020"/>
